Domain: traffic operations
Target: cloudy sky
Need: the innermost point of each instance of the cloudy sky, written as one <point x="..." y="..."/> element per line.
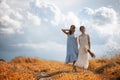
<point x="33" y="27"/>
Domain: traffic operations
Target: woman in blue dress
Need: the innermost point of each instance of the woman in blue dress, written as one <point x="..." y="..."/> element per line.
<point x="72" y="47"/>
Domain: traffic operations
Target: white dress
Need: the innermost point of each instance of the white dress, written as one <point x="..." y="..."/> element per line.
<point x="82" y="60"/>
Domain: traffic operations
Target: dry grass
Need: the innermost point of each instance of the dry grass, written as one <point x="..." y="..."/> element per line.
<point x="22" y="68"/>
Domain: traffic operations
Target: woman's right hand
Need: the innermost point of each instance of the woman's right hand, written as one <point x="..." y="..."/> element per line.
<point x="66" y="31"/>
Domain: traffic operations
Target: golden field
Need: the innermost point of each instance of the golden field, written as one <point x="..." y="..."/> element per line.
<point x="24" y="68"/>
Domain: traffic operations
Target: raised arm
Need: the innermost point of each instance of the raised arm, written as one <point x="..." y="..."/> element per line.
<point x="66" y="31"/>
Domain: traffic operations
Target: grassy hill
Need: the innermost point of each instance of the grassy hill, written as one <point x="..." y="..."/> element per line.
<point x="22" y="68"/>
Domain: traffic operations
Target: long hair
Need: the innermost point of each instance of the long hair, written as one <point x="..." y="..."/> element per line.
<point x="72" y="26"/>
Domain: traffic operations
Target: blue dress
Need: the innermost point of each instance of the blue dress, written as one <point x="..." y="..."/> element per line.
<point x="72" y="49"/>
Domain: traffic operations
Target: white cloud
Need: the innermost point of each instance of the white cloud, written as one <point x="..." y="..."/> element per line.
<point x="9" y="19"/>
<point x="49" y="11"/>
<point x="58" y="15"/>
<point x="66" y="5"/>
<point x="105" y="15"/>
<point x="7" y="10"/>
<point x="34" y="19"/>
<point x="104" y="19"/>
<point x="114" y="41"/>
<point x="18" y="15"/>
<point x="16" y="4"/>
<point x="9" y="25"/>
<point x="70" y="19"/>
<point x="7" y="31"/>
<point x="100" y="16"/>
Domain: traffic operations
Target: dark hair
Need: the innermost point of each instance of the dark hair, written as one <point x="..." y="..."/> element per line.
<point x="70" y="29"/>
<point x="82" y="27"/>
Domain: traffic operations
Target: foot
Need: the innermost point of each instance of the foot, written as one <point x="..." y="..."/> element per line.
<point x="85" y="70"/>
<point x="74" y="70"/>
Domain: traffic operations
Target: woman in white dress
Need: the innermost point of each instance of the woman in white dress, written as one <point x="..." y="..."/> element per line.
<point x="84" y="42"/>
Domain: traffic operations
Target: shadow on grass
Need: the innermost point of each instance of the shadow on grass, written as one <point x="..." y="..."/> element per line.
<point x="48" y="75"/>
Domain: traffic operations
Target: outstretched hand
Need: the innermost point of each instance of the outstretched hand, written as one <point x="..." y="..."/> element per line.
<point x="92" y="55"/>
<point x="66" y="31"/>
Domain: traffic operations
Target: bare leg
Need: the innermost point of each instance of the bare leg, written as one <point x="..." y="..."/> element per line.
<point x="74" y="67"/>
<point x="84" y="69"/>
